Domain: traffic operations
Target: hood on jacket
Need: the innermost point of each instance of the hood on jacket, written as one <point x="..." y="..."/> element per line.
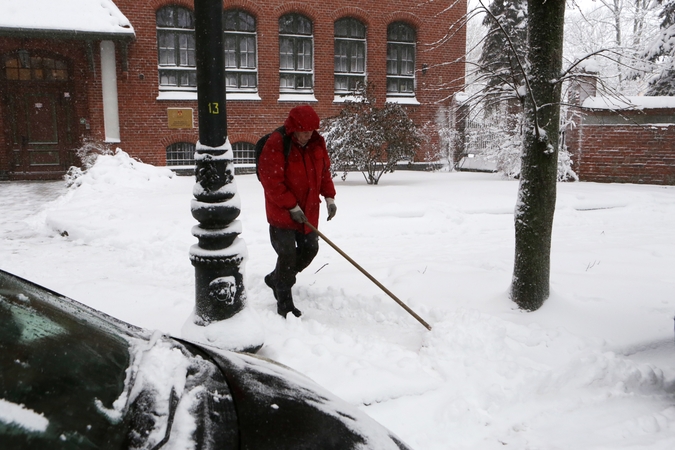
<point x="302" y="118"/>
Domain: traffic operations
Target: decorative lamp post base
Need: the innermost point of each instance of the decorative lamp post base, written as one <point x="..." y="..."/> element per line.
<point x="220" y="317"/>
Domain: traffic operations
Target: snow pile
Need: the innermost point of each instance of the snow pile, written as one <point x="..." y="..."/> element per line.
<point x="593" y="369"/>
<point x="161" y="372"/>
<point x="103" y="190"/>
<point x="241" y="332"/>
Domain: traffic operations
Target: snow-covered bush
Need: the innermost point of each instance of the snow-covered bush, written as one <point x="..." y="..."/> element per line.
<point x="370" y="139"/>
<point x="497" y="138"/>
<point x="88" y="153"/>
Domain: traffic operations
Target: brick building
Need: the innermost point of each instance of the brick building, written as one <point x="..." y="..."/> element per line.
<point x="621" y="140"/>
<point x="121" y="73"/>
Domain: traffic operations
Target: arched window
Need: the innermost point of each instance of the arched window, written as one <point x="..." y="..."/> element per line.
<point x="180" y="154"/>
<point x="350" y="55"/>
<point x="23" y="66"/>
<point x="244" y="152"/>
<point x="296" y="54"/>
<point x="176" y="49"/>
<point x="241" y="66"/>
<point x="400" y="59"/>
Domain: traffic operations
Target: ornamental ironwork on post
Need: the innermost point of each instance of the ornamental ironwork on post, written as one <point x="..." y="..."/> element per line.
<point x="219" y="253"/>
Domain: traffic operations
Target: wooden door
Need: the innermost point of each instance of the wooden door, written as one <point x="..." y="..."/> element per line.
<point x="38" y="109"/>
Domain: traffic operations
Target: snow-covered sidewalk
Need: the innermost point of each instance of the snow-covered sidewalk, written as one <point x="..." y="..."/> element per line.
<point x="594" y="368"/>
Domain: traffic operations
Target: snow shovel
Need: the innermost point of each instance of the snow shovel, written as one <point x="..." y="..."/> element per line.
<point x="370" y="277"/>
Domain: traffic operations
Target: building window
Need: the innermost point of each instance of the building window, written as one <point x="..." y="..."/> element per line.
<point x="24" y="67"/>
<point x="400" y="59"/>
<point x="296" y="54"/>
<point x="180" y="154"/>
<point x="350" y="55"/>
<point x="244" y="153"/>
<point x="241" y="71"/>
<point x="176" y="49"/>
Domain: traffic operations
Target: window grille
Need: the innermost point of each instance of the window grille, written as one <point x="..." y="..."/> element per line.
<point x="176" y="49"/>
<point x="296" y="54"/>
<point x="244" y="153"/>
<point x="25" y="67"/>
<point x="241" y="64"/>
<point x="400" y="59"/>
<point x="180" y="154"/>
<point x="350" y="55"/>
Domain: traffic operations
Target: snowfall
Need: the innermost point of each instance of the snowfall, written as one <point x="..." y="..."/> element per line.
<point x="593" y="368"/>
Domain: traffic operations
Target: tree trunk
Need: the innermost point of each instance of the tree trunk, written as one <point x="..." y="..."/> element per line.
<point x="537" y="191"/>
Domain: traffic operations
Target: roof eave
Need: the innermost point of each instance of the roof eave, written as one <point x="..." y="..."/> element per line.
<point x="34" y="33"/>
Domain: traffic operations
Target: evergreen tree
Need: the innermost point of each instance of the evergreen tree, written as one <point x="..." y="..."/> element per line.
<point x="663" y="51"/>
<point x="503" y="48"/>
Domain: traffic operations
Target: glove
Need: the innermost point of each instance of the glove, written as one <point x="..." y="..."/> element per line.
<point x="332" y="209"/>
<point x="297" y="214"/>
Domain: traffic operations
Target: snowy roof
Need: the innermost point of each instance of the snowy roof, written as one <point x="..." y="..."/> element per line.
<point x="83" y="19"/>
<point x="638" y="102"/>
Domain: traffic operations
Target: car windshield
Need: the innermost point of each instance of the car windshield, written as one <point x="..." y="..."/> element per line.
<point x="47" y="354"/>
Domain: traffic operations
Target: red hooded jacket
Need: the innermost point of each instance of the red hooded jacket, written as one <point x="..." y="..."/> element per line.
<point x="298" y="179"/>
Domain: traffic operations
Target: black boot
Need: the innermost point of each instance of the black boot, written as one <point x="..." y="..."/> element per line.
<point x="285" y="304"/>
<point x="269" y="281"/>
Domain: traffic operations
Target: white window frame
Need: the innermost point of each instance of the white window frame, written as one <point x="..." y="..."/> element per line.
<point x="355" y="76"/>
<point x="397" y="74"/>
<point x="235" y="67"/>
<point x="178" y="67"/>
<point x="293" y="71"/>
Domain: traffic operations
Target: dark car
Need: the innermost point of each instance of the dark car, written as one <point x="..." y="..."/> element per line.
<point x="74" y="378"/>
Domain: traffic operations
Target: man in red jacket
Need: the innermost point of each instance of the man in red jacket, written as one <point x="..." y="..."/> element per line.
<point x="292" y="186"/>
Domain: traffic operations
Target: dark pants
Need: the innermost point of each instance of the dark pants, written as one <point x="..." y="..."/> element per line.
<point x="295" y="251"/>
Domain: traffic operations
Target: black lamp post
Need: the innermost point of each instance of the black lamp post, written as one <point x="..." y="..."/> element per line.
<point x="210" y="72"/>
<point x="219" y="254"/>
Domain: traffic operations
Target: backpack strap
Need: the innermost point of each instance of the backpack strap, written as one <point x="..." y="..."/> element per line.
<point x="286" y="140"/>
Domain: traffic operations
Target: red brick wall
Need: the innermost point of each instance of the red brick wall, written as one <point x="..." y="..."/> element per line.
<point x="624" y="153"/>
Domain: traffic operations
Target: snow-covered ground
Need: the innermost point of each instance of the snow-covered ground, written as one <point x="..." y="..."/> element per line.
<point x="594" y="368"/>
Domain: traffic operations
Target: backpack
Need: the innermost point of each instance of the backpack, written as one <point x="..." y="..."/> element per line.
<point x="261" y="144"/>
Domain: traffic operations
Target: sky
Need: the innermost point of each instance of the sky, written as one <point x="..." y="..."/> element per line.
<point x="594" y="368"/>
